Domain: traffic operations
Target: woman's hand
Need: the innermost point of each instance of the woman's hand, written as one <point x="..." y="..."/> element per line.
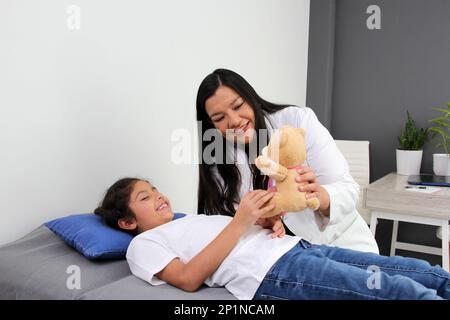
<point x="307" y="183"/>
<point x="273" y="223"/>
<point x="253" y="205"/>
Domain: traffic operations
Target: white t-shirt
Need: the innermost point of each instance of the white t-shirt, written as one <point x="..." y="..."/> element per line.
<point x="241" y="272"/>
<point x="345" y="227"/>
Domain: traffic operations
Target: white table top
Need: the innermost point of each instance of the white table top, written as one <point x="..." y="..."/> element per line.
<point x="389" y="194"/>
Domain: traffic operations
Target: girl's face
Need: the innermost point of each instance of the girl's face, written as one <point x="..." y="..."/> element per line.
<point x="150" y="207"/>
<point x="231" y="115"/>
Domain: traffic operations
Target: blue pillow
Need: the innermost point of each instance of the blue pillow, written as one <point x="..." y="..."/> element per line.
<point x="87" y="234"/>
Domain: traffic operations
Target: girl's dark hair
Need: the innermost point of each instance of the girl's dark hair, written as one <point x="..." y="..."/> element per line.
<point x="214" y="198"/>
<point x="115" y="204"/>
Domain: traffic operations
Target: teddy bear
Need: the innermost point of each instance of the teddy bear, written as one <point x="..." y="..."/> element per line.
<point x="285" y="153"/>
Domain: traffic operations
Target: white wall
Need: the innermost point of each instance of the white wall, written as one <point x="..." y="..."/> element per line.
<point x="82" y="108"/>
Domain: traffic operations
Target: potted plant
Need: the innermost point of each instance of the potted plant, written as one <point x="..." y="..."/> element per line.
<point x="409" y="154"/>
<point x="441" y="130"/>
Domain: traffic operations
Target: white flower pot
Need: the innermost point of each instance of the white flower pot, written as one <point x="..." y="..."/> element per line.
<point x="409" y="161"/>
<point x="441" y="164"/>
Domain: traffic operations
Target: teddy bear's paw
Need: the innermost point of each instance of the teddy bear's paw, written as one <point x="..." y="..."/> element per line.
<point x="313" y="203"/>
<point x="262" y="162"/>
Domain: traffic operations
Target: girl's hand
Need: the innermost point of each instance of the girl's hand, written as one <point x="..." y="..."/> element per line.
<point x="273" y="223"/>
<point x="253" y="205"/>
<point x="307" y="182"/>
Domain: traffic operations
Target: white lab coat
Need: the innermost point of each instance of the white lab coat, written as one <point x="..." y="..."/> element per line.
<point x="345" y="227"/>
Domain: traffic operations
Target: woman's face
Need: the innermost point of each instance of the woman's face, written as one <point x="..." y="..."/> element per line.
<point x="231" y="115"/>
<point x="150" y="207"/>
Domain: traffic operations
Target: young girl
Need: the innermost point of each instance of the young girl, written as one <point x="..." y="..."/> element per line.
<point x="227" y="103"/>
<point x="235" y="253"/>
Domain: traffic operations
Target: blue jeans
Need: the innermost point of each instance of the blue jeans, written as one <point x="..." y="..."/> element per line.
<point x="310" y="271"/>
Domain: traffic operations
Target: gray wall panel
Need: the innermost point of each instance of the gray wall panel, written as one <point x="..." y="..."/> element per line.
<point x="374" y="76"/>
<point x="379" y="74"/>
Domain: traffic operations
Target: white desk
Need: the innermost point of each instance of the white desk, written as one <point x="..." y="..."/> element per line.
<point x="388" y="199"/>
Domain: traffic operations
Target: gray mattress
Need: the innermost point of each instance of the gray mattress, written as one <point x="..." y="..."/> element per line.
<point x="35" y="267"/>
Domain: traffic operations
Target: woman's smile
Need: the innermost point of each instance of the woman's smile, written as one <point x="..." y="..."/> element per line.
<point x="242" y="129"/>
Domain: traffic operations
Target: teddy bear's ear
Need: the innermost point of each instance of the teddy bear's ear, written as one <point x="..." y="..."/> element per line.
<point x="302" y="131"/>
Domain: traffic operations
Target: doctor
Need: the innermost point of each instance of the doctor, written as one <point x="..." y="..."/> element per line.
<point x="227" y="103"/>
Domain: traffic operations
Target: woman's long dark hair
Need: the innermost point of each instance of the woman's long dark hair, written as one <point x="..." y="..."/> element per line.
<point x="213" y="198"/>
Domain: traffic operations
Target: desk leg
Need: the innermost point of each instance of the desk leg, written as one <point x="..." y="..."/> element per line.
<point x="373" y="223"/>
<point x="445" y="244"/>
<point x="394" y="237"/>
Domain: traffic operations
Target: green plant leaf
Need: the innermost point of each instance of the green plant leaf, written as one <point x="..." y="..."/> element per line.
<point x="412" y="138"/>
<point x="437" y="130"/>
<point x="439" y="119"/>
<point x="445" y="111"/>
<point x="442" y="123"/>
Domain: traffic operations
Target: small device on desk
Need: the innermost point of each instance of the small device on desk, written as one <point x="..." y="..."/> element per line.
<point x="429" y="180"/>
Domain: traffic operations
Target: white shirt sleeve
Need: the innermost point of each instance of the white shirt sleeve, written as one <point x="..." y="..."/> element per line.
<point x="331" y="170"/>
<point x="147" y="257"/>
